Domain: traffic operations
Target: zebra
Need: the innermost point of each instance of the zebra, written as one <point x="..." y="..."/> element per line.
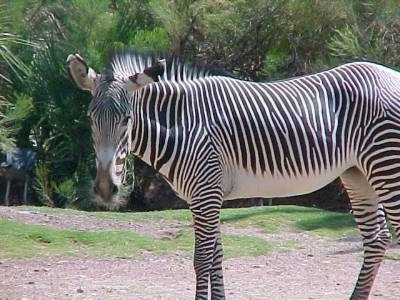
<point x="216" y="138"/>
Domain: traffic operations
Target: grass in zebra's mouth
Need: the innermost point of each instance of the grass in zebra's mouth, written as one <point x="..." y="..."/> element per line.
<point x="393" y="256"/>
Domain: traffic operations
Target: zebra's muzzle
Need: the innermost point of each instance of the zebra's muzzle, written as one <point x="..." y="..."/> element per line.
<point x="103" y="187"/>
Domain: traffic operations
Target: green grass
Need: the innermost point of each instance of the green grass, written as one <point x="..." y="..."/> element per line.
<point x="23" y="240"/>
<point x="268" y="218"/>
<point x="179" y="214"/>
<point x="292" y="218"/>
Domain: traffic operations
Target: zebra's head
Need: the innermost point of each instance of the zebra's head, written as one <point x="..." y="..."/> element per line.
<point x="110" y="114"/>
<point x="110" y="110"/>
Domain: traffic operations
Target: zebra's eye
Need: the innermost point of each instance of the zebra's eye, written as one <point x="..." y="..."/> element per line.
<point x="125" y="121"/>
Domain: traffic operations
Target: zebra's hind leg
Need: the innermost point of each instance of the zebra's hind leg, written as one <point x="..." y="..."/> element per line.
<point x="370" y="219"/>
<point x="389" y="198"/>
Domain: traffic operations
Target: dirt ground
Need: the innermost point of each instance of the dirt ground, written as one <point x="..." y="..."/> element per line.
<point x="318" y="269"/>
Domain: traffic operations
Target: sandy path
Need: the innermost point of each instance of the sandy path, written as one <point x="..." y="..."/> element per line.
<point x="318" y="269"/>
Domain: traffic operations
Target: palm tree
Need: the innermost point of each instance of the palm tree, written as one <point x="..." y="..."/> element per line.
<point x="10" y="112"/>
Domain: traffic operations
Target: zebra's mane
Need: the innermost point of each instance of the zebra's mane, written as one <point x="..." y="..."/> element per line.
<point x="122" y="64"/>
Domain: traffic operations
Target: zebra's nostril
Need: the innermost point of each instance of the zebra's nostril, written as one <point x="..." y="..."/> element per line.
<point x="115" y="189"/>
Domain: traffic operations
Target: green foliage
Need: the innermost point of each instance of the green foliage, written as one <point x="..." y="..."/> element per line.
<point x="151" y="40"/>
<point x="43" y="186"/>
<point x="274" y="64"/>
<point x="17" y="67"/>
<point x="178" y="18"/>
<point x="56" y="125"/>
<point x="237" y="35"/>
<point x="305" y="33"/>
<point x="90" y="28"/>
<point x="67" y="192"/>
<point x="346" y="43"/>
<point x="6" y="140"/>
<point x="11" y="118"/>
<point x="259" y="40"/>
<point x="132" y="16"/>
<point x="11" y="113"/>
<point x="372" y="35"/>
<point x="9" y="39"/>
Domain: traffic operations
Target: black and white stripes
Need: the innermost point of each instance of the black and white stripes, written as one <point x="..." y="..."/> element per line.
<point x="296" y="129"/>
<point x="216" y="138"/>
<point x="278" y="139"/>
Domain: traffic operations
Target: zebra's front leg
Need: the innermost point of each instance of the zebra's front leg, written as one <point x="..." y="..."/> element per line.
<point x="208" y="250"/>
<point x="216" y="276"/>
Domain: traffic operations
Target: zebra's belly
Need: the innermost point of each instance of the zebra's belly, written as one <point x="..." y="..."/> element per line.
<point x="243" y="184"/>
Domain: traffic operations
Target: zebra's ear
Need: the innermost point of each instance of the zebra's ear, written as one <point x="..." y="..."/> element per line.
<point x="149" y="75"/>
<point x="137" y="81"/>
<point x="81" y="73"/>
<point x="156" y="70"/>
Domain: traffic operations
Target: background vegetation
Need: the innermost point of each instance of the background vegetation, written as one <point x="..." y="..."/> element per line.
<point x="257" y="40"/>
